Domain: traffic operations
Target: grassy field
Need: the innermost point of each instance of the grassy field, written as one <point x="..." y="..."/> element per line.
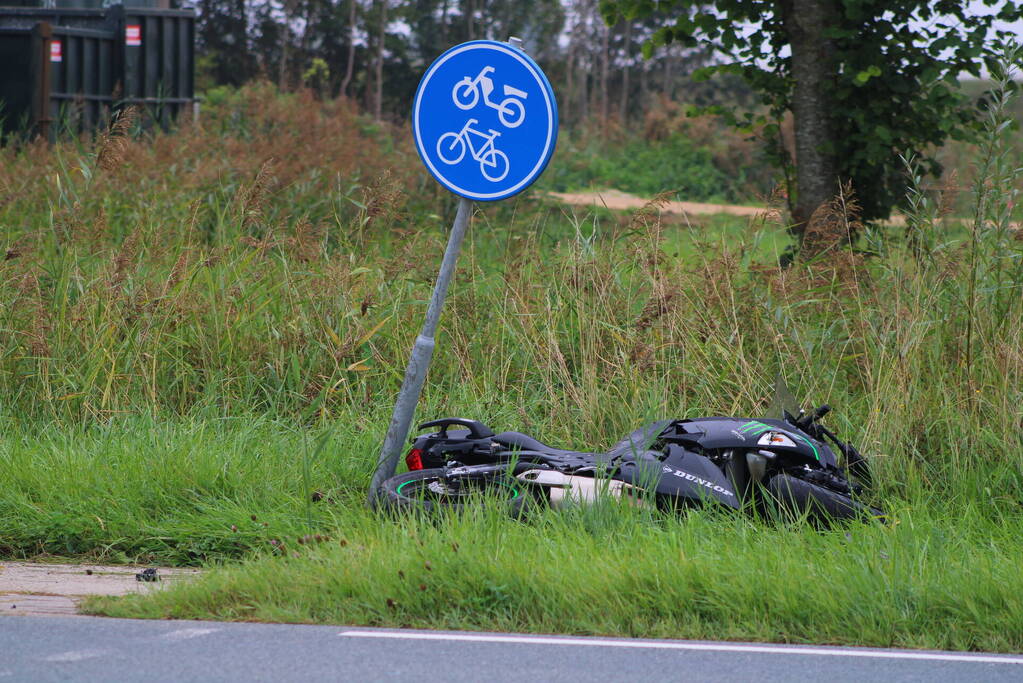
<point x="204" y="333"/>
<point x="930" y="582"/>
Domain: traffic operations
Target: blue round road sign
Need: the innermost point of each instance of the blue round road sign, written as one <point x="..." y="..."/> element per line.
<point x="485" y="120"/>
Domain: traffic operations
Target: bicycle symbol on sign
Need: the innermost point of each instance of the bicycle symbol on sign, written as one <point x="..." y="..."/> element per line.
<point x="510" y="110"/>
<point x="493" y="162"/>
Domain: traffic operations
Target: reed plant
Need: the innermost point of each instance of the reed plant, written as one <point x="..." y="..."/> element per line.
<point x="202" y="342"/>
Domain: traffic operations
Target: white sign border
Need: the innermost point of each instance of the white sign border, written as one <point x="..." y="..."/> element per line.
<point x="551" y="120"/>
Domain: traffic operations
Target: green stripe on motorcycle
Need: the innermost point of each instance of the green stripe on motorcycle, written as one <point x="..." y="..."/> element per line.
<point x="810" y="444"/>
<point x="515" y="491"/>
<point x="761" y="428"/>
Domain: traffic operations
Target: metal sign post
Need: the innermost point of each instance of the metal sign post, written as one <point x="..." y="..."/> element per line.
<point x="422" y="353"/>
<point x="485" y="123"/>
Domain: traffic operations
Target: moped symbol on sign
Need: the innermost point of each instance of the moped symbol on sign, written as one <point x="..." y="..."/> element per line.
<point x="485" y="120"/>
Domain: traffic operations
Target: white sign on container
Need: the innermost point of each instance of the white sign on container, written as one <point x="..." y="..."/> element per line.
<point x="133" y="35"/>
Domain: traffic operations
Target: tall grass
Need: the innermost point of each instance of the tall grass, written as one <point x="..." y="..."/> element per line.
<point x="215" y="327"/>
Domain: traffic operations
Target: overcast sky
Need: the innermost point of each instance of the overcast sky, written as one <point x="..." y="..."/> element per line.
<point x="978" y="7"/>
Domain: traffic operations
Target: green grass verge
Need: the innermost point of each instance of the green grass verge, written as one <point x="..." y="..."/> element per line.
<point x="930" y="581"/>
<point x="183" y="492"/>
<point x="289" y="503"/>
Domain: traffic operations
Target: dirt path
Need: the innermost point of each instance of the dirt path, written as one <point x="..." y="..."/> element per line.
<point x="619" y="201"/>
<point x="30" y="588"/>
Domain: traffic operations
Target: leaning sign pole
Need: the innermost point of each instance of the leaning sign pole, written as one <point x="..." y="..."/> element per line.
<point x="485" y="123"/>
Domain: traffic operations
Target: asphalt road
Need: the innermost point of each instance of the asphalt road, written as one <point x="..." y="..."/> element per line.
<point x="86" y="649"/>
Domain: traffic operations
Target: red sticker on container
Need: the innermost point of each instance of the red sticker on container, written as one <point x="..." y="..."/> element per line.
<point x="133" y="35"/>
<point x="55" y="53"/>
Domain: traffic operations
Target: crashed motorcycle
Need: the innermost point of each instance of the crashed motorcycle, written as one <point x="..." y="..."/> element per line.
<point x="764" y="466"/>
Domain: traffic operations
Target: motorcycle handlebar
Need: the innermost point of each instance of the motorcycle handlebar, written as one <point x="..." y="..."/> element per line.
<point x="854" y="460"/>
<point x="808" y="423"/>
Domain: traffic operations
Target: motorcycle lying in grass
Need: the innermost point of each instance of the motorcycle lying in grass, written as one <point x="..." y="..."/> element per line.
<point x="759" y="466"/>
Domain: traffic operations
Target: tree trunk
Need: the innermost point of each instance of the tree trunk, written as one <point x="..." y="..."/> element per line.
<point x="623" y="101"/>
<point x="303" y="42"/>
<point x="605" y="57"/>
<point x="644" y="83"/>
<point x="812" y="72"/>
<point x="584" y="93"/>
<point x="241" y="44"/>
<point x="444" y="25"/>
<point x="667" y="75"/>
<point x="282" y="66"/>
<point x="350" y="66"/>
<point x="570" y="81"/>
<point x="378" y="98"/>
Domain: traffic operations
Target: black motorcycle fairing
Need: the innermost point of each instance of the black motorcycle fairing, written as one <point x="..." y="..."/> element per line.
<point x="682" y="475"/>
<point x="640" y="440"/>
<point x="717" y="433"/>
<point x="811" y="447"/>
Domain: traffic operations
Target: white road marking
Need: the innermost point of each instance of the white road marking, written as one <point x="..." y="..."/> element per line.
<point x="187" y="633"/>
<point x="76" y="655"/>
<point x="706" y="647"/>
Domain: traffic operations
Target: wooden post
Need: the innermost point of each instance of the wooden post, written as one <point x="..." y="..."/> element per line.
<point x="42" y="38"/>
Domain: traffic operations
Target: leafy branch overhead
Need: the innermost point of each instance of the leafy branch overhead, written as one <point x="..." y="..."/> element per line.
<point x="865" y="80"/>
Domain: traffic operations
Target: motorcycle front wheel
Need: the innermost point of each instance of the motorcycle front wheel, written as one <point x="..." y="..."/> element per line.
<point x="820" y="504"/>
<point x="465" y="94"/>
<point x="430" y="490"/>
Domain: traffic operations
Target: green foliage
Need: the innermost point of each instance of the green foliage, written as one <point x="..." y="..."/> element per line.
<point x="894" y="84"/>
<point x="644" y="167"/>
<point x="317" y="76"/>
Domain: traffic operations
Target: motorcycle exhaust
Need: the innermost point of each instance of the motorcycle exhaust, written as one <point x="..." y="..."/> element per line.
<point x="565" y="490"/>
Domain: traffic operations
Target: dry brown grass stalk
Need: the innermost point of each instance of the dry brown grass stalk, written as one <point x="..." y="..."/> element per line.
<point x="114" y="143"/>
<point x="948" y="193"/>
<point x="384" y="197"/>
<point x="253" y="198"/>
<point x="775" y="202"/>
<point x="123" y="262"/>
<point x="662" y="301"/>
<point x="177" y="273"/>
<point x="32" y="302"/>
<point x="833" y="223"/>
<point x="307" y="243"/>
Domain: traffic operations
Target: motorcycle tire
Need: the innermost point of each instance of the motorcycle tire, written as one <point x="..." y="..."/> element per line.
<point x="820" y="504"/>
<point x="429" y="491"/>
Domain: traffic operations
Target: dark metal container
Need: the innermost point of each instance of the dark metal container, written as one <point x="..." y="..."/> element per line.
<point x="160" y="73"/>
<point x="67" y="69"/>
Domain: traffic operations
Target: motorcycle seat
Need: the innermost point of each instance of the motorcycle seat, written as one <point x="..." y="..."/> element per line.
<point x="521" y="442"/>
<point x="635" y="443"/>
